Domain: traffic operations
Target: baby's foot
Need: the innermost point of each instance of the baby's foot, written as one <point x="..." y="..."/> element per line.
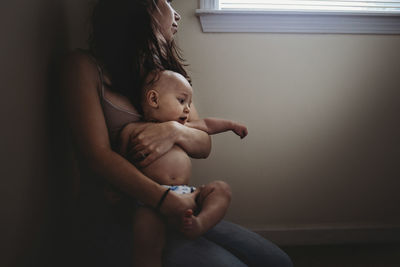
<point x="192" y="226"/>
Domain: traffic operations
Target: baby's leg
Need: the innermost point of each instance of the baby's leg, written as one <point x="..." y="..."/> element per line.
<point x="213" y="200"/>
<point x="148" y="238"/>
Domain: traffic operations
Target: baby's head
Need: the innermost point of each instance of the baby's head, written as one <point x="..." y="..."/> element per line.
<point x="168" y="98"/>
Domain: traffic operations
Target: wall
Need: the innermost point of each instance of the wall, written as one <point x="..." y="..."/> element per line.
<point x="34" y="158"/>
<point x="322" y="114"/>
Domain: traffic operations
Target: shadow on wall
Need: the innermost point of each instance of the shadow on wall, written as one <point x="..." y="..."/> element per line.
<point x="62" y="171"/>
<point x="67" y="29"/>
<point x="36" y="151"/>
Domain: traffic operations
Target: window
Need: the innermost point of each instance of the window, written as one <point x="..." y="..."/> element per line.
<point x="383" y="6"/>
<point x="301" y="16"/>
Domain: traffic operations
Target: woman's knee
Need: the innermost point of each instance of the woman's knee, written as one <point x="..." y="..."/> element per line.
<point x="270" y="255"/>
<point x="251" y="248"/>
<point x="279" y="258"/>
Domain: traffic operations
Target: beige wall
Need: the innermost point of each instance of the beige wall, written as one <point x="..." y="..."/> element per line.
<point x="321" y="111"/>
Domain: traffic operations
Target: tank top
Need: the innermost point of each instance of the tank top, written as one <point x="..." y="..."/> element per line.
<point x="116" y="117"/>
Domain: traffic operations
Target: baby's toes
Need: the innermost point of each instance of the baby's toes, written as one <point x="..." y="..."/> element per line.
<point x="188" y="213"/>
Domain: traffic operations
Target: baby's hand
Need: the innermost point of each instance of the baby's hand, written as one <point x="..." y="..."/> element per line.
<point x="240" y="130"/>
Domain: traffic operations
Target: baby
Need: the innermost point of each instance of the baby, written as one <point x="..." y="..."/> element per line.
<point x="168" y="98"/>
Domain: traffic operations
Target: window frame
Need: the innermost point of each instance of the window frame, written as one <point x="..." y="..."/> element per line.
<point x="358" y="22"/>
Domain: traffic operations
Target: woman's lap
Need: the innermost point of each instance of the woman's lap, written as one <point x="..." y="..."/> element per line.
<point x="106" y="241"/>
<point x="249" y="247"/>
<point x="227" y="244"/>
<point x="181" y="252"/>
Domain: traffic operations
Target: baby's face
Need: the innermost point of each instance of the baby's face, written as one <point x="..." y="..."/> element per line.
<point x="175" y="98"/>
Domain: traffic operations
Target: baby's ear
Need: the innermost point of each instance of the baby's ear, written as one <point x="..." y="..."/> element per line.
<point x="152" y="98"/>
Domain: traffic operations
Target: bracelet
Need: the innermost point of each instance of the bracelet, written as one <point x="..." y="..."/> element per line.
<point x="162" y="199"/>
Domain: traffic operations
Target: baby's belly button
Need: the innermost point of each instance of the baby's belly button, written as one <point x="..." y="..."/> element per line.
<point x="178" y="180"/>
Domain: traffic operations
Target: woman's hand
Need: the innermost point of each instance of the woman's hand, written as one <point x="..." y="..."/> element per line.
<point x="143" y="143"/>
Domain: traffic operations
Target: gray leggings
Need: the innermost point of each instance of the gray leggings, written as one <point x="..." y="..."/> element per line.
<point x="104" y="238"/>
<point x="226" y="245"/>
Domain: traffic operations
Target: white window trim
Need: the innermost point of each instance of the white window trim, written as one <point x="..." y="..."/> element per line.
<point x="214" y="20"/>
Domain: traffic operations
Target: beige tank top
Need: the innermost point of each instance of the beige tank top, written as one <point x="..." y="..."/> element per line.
<point x="115" y="116"/>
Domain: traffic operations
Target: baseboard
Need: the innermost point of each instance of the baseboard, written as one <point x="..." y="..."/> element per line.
<point x="327" y="235"/>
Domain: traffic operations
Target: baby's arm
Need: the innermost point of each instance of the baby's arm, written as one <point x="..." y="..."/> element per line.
<point x="216" y="125"/>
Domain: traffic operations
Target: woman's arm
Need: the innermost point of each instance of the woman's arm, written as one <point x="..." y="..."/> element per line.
<point x="90" y="135"/>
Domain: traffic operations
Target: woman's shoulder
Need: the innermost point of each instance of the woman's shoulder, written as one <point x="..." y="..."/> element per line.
<point x="80" y="74"/>
<point x="80" y="58"/>
<point x="80" y="63"/>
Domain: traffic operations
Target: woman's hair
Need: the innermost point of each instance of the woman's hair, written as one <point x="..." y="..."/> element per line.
<point x="125" y="38"/>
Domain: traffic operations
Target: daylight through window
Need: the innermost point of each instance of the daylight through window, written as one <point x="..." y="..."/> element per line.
<point x="376" y="6"/>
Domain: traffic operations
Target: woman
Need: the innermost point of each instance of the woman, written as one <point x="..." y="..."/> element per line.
<point x="131" y="38"/>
